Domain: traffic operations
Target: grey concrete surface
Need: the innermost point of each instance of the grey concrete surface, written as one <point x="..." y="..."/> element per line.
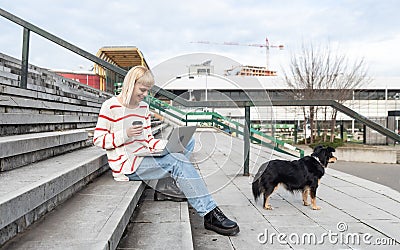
<point x="46" y="84"/>
<point x="49" y="103"/>
<point x="158" y="225"/>
<point x="21" y="150"/>
<point x="20" y="144"/>
<point x="352" y="208"/>
<point x="94" y="218"/>
<point x="43" y="185"/>
<point x="367" y="153"/>
<point x="385" y="174"/>
<point x="356" y="213"/>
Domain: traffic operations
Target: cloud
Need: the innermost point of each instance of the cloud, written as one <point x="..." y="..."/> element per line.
<point x="164" y="29"/>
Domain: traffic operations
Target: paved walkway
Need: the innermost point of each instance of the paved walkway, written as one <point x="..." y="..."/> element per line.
<point x="356" y="213"/>
<point x="385" y="174"/>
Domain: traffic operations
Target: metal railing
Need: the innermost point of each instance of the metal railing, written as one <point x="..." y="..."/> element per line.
<point x="28" y="27"/>
<point x="246" y="104"/>
<point x="215" y="119"/>
<point x="253" y="103"/>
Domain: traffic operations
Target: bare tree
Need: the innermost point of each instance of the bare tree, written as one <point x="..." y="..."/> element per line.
<point x="321" y="73"/>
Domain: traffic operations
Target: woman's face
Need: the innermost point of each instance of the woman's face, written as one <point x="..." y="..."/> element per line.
<point x="140" y="91"/>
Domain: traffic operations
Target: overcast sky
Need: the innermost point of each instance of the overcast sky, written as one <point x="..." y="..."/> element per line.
<point x="165" y="29"/>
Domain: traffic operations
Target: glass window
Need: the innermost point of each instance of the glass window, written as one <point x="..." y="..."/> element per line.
<point x="393" y="94"/>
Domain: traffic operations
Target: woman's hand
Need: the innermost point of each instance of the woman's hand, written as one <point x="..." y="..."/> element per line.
<point x="135" y="130"/>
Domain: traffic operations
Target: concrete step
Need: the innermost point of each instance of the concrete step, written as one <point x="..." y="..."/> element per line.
<point x="29" y="192"/>
<point x="49" y="94"/>
<point x="94" y="218"/>
<point x="43" y="81"/>
<point x="34" y="118"/>
<point x="158" y="225"/>
<point x="20" y="150"/>
<point x="50" y="102"/>
<point x="24" y="103"/>
<point x="20" y="115"/>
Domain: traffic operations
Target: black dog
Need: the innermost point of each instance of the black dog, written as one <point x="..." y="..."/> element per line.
<point x="299" y="175"/>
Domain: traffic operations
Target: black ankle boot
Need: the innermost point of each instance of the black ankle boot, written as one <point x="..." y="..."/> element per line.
<point x="219" y="223"/>
<point x="158" y="196"/>
<point x="167" y="190"/>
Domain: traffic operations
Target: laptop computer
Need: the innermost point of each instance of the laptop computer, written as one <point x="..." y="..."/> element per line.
<point x="177" y="141"/>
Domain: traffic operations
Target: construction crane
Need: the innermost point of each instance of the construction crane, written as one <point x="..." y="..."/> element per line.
<point x="267" y="46"/>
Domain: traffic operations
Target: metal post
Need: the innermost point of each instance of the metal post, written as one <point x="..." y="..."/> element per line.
<point x="246" y="138"/>
<point x="206" y="99"/>
<point x="25" y="59"/>
<point x="364" y="134"/>
<point x="237" y="131"/>
<point x="273" y="129"/>
<point x="341" y="131"/>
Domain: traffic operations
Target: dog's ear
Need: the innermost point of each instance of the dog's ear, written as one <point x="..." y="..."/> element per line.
<point x="317" y="149"/>
<point x="330" y="149"/>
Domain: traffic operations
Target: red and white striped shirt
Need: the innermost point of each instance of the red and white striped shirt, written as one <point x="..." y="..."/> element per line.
<point x="110" y="134"/>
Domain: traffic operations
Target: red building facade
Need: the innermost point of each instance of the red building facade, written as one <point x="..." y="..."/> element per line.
<point x="84" y="77"/>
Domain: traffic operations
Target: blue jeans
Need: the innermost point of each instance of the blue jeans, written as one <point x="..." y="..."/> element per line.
<point x="179" y="167"/>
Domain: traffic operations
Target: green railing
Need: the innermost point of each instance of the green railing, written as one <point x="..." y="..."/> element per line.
<point x="216" y="120"/>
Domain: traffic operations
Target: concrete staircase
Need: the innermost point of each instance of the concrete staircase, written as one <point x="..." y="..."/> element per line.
<point x="158" y="225"/>
<point x="55" y="188"/>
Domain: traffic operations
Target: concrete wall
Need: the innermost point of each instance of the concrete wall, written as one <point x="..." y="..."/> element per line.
<point x="366" y="154"/>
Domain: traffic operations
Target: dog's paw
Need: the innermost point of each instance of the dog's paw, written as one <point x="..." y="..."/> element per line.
<point x="305" y="203"/>
<point x="268" y="207"/>
<point x="316" y="208"/>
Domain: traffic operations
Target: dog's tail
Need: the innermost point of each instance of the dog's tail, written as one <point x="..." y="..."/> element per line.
<point x="256" y="187"/>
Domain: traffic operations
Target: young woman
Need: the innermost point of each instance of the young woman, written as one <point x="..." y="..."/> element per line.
<point x="115" y="133"/>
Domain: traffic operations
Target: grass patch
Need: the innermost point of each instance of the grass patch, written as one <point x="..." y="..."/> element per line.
<point x="319" y="141"/>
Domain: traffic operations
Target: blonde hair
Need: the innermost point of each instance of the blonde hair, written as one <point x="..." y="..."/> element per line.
<point x="137" y="74"/>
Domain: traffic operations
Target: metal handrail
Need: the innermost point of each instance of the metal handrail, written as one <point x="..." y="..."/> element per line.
<point x="219" y="104"/>
<point x="246" y="104"/>
<point x="252" y="103"/>
<point x="30" y="27"/>
<point x="221" y="120"/>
